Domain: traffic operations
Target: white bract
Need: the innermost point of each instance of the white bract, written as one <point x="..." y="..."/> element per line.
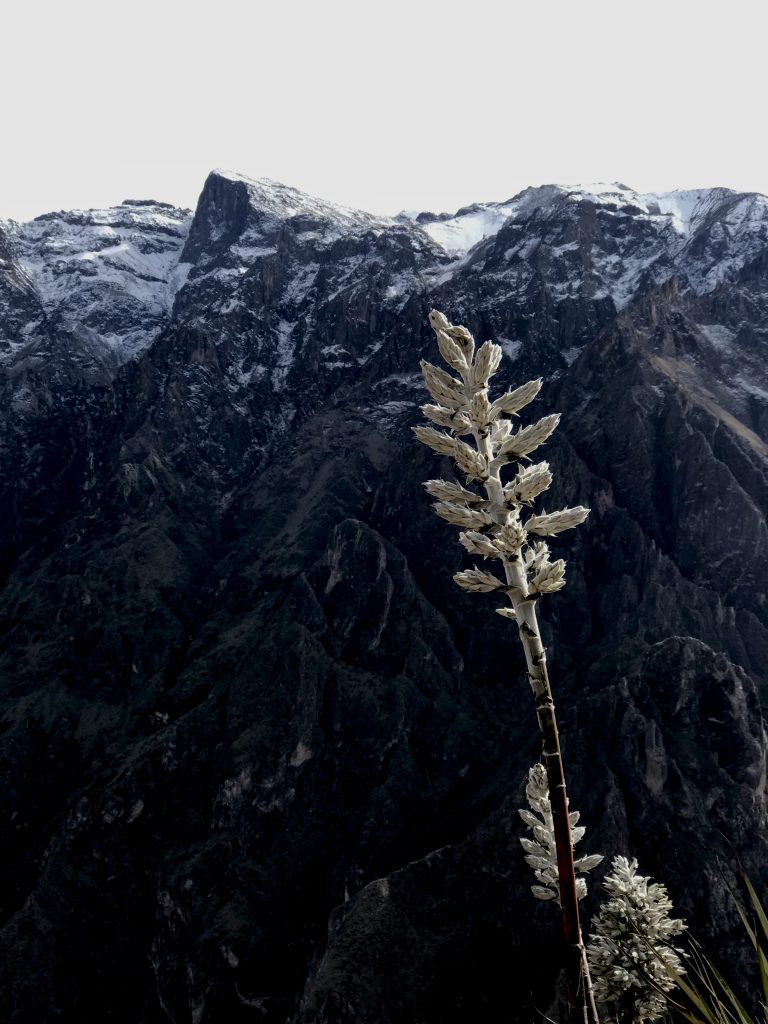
<point x="630" y="950"/>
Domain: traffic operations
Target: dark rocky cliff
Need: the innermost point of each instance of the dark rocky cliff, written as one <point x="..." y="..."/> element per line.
<point x="261" y="758"/>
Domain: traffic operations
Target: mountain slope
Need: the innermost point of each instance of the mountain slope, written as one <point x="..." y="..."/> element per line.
<point x="262" y="759"/>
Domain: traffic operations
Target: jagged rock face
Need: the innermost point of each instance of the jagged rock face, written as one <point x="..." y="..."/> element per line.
<point x="261" y="757"/>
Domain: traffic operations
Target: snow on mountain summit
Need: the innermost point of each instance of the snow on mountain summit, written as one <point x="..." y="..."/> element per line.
<point x="461" y="232"/>
<point x="683" y="210"/>
<point x="285" y="201"/>
<point x="112" y="279"/>
<point x="108" y="276"/>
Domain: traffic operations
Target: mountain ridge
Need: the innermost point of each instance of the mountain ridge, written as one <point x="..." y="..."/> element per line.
<point x="49" y="263"/>
<point x="242" y="696"/>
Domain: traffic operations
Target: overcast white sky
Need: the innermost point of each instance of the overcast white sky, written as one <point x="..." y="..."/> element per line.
<point x="386" y="106"/>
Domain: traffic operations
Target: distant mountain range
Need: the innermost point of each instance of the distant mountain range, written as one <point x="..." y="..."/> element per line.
<point x="261" y="757"/>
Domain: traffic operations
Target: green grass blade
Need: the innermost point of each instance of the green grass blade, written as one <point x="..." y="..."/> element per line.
<point x="741" y="1013"/>
<point x="748" y="927"/>
<point x="758" y="907"/>
<point x="762" y="959"/>
<point x="695" y="997"/>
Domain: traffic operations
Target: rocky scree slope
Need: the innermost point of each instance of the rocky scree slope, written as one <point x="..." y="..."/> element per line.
<point x="261" y="758"/>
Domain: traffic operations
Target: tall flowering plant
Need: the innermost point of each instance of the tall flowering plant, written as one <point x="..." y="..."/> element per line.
<point x="496" y="524"/>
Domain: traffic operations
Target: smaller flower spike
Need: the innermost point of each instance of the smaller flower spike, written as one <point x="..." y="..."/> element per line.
<point x="436" y="440"/>
<point x="529" y="438"/>
<point x="529" y="483"/>
<point x="556" y="522"/>
<point x="447" y="490"/>
<point x="549" y="578"/>
<point x="512" y="402"/>
<point x="442" y="386"/>
<point x="460" y="515"/>
<point x="630" y="954"/>
<point x="541" y="852"/>
<point x="450" y="418"/>
<point x="478" y="581"/>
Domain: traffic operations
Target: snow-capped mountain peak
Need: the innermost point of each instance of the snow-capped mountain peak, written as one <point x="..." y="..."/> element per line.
<point x="108" y="276"/>
<point x="285" y="201"/>
<point x="683" y="210"/>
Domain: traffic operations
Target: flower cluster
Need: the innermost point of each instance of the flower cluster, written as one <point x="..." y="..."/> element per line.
<point x="492" y="523"/>
<point x="630" y="954"/>
<point x="540" y="852"/>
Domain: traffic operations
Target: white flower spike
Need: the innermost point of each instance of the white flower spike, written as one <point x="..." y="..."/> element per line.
<point x="630" y="953"/>
<point x="493" y="528"/>
<point x="462" y="407"/>
<point x="541" y="851"/>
